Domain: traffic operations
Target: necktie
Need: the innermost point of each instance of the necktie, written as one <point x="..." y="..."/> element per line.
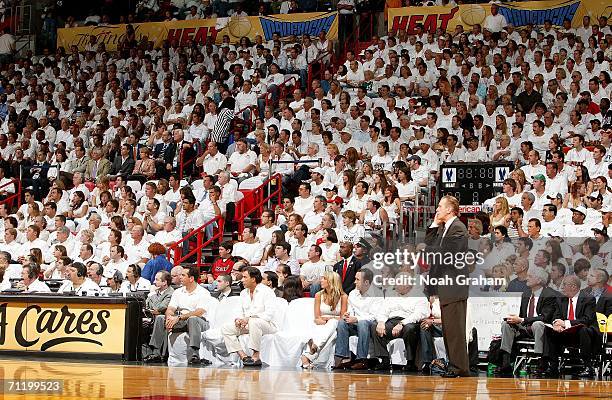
<point x="344" y="268"/>
<point x="94" y="173"/>
<point x="570" y="314"/>
<point x="531" y="311"/>
<point x="135" y="151"/>
<point x="221" y="296"/>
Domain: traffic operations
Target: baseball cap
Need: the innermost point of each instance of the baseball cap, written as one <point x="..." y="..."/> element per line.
<point x="558" y="196"/>
<point x="318" y="170"/>
<point x="414" y="158"/>
<point x="539" y="177"/>
<point x="580" y="209"/>
<point x="425" y="141"/>
<point x="600" y="231"/>
<point x="336" y="199"/>
<point x="364" y="243"/>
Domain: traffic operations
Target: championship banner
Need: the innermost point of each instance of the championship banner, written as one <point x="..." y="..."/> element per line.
<point x="517" y="13"/>
<point x="201" y="30"/>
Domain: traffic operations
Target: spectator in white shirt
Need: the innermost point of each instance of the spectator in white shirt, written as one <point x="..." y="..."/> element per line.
<point x="255" y="318"/>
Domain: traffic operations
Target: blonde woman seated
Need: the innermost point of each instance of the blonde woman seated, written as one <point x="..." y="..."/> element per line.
<point x="330" y="303"/>
<point x="501" y="213"/>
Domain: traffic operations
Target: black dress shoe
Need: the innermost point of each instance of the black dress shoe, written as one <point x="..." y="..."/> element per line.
<point x="450" y="374"/>
<point x="385" y="365"/>
<point x="359" y="365"/>
<point x="344" y="365"/>
<point x="153" y="358"/>
<point x="204" y="361"/>
<point x="587" y="372"/>
<point x="426" y="369"/>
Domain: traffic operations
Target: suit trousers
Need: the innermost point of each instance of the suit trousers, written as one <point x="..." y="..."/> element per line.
<point x="256" y="328"/>
<point x="453" y="322"/>
<point x="554" y="342"/>
<point x="379" y="344"/>
<point x="512" y="332"/>
<point x="159" y="338"/>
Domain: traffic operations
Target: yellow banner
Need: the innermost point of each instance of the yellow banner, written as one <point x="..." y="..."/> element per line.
<point x="518" y="14"/>
<point x="201" y="30"/>
<point x="75" y="328"/>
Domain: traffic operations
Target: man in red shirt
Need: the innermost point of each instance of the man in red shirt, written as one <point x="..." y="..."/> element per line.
<point x="222" y="265"/>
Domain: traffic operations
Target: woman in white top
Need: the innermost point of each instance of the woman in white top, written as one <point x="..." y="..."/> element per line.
<point x="406" y="187"/>
<point x="330" y="247"/>
<point x="79" y="208"/>
<point x="382" y="161"/>
<point x="366" y="173"/>
<point x="377" y="188"/>
<point x="60" y="164"/>
<point x="102" y="185"/>
<point x="210" y="117"/>
<point x="263" y="166"/>
<point x="331" y="303"/>
<point x="347" y="189"/>
<point x="57" y="269"/>
<point x="392" y="204"/>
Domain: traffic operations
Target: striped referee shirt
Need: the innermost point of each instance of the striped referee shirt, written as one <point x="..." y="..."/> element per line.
<point x="221" y="128"/>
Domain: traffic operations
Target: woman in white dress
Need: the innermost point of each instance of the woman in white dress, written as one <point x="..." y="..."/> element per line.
<point x="392" y="204"/>
<point x="330" y="304"/>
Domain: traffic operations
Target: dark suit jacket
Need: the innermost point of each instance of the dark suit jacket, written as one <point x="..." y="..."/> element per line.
<point x="455" y="241"/>
<point x="189" y="154"/>
<point x="584" y="310"/>
<point x="348" y="283"/>
<point x="545" y="310"/>
<point x="123" y="168"/>
<point x="604" y="303"/>
<point x="168" y="154"/>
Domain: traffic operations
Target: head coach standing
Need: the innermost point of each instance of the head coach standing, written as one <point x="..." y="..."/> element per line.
<point x="446" y="236"/>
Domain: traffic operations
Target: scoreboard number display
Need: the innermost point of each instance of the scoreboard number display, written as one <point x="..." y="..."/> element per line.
<point x="473" y="183"/>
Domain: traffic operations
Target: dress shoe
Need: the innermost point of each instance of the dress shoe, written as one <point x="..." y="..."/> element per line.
<point x="344" y="365"/>
<point x="587" y="372"/>
<point x="450" y="374"/>
<point x="359" y="365"/>
<point x="384" y="365"/>
<point x="153" y="358"/>
<point x="426" y="369"/>
<point x="194" y="360"/>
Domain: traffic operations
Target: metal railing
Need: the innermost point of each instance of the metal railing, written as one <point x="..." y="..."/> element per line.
<point x="10" y="199"/>
<point x="175" y="251"/>
<point x="259" y="194"/>
<point x="185" y="163"/>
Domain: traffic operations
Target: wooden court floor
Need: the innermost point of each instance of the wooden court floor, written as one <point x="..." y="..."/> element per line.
<point x="119" y="381"/>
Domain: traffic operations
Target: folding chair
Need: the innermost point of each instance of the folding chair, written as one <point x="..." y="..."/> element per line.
<point x="605" y="327"/>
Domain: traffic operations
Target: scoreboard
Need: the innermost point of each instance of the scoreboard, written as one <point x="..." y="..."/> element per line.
<point x="473" y="183"/>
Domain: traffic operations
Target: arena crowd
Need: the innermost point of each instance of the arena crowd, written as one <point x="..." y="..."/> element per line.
<point x="120" y="154"/>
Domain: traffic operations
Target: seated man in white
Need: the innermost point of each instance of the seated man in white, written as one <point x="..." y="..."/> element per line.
<point x="255" y="318"/>
<point x="29" y="280"/>
<point x="134" y="281"/>
<point x="78" y="282"/>
<point x="185" y="313"/>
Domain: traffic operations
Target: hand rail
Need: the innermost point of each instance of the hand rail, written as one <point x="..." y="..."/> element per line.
<point x="10" y="199"/>
<point x="175" y="251"/>
<point x="249" y="123"/>
<point x="258" y="192"/>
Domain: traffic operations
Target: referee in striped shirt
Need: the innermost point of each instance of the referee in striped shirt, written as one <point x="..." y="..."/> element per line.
<point x="221" y="131"/>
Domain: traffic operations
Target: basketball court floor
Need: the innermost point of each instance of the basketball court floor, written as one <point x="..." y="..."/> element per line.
<point x="104" y="380"/>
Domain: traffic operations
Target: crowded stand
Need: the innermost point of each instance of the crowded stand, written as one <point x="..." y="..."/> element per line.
<point x="132" y="171"/>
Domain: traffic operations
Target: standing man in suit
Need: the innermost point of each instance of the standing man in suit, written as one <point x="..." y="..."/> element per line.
<point x="573" y="326"/>
<point x="347" y="267"/>
<point x="163" y="153"/>
<point x="447" y="234"/>
<point x="97" y="166"/>
<point x="538" y="307"/>
<point x="123" y="164"/>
